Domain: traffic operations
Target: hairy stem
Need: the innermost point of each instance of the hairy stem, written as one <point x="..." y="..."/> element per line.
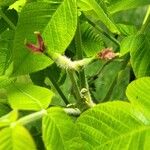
<point x="38" y="115"/>
<point x="82" y="77"/>
<point x="30" y="118"/>
<point x="7" y="20"/>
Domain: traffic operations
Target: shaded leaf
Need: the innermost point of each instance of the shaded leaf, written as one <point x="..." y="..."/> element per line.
<point x="119" y="5"/>
<point x="131" y="17"/>
<point x="91" y="41"/>
<point x="106" y="80"/>
<point x="4" y="109"/>
<point x="5" y="14"/>
<point x="6" y="43"/>
<point x="122" y="82"/>
<point x="6" y="2"/>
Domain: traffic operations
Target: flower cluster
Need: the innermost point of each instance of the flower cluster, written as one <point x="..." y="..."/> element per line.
<point x="107" y="54"/>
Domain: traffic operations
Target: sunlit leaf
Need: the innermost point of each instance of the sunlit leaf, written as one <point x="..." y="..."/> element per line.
<point x="29" y="97"/>
<point x="138" y="94"/>
<point x="60" y="30"/>
<point x="140" y="54"/>
<point x="93" y="9"/>
<point x="33" y="17"/>
<point x="16" y="138"/>
<point x="8" y="118"/>
<point x="59" y="131"/>
<point x="115" y="126"/>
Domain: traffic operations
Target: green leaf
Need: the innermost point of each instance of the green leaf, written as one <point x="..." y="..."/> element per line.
<point x="29" y="97"/>
<point x="93" y="9"/>
<point x="127" y="30"/>
<point x="125" y="45"/>
<point x="131" y="17"/>
<point x="91" y="41"/>
<point x="33" y="17"/>
<point x="119" y="5"/>
<point x="6" y="43"/>
<point x="4" y="109"/>
<point x="122" y="82"/>
<point x="10" y="17"/>
<point x="59" y="131"/>
<point x="8" y="118"/>
<point x="115" y="126"/>
<point x="3" y="25"/>
<point x="16" y="138"/>
<point x="106" y="80"/>
<point x="140" y="54"/>
<point x="138" y="94"/>
<point x="18" y="5"/>
<point x="6" y="2"/>
<point x="60" y="30"/>
<point x="5" y="81"/>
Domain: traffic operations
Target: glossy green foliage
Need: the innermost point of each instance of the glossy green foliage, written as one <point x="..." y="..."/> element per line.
<point x="138" y="94"/>
<point x="114" y="125"/>
<point x="92" y="8"/>
<point x="119" y="5"/>
<point x="57" y="125"/>
<point x="6" y="120"/>
<point x="29" y="97"/>
<point x="33" y="17"/>
<point x="82" y="82"/>
<point x="16" y="138"/>
<point x="60" y="30"/>
<point x="43" y="17"/>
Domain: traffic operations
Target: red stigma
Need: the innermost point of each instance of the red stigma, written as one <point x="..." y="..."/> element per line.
<point x="36" y="48"/>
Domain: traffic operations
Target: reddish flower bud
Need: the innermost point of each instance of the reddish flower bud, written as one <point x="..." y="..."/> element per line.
<point x="107" y="54"/>
<point x="36" y="48"/>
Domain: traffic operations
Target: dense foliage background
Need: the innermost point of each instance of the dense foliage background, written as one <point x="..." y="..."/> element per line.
<point x="84" y="85"/>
